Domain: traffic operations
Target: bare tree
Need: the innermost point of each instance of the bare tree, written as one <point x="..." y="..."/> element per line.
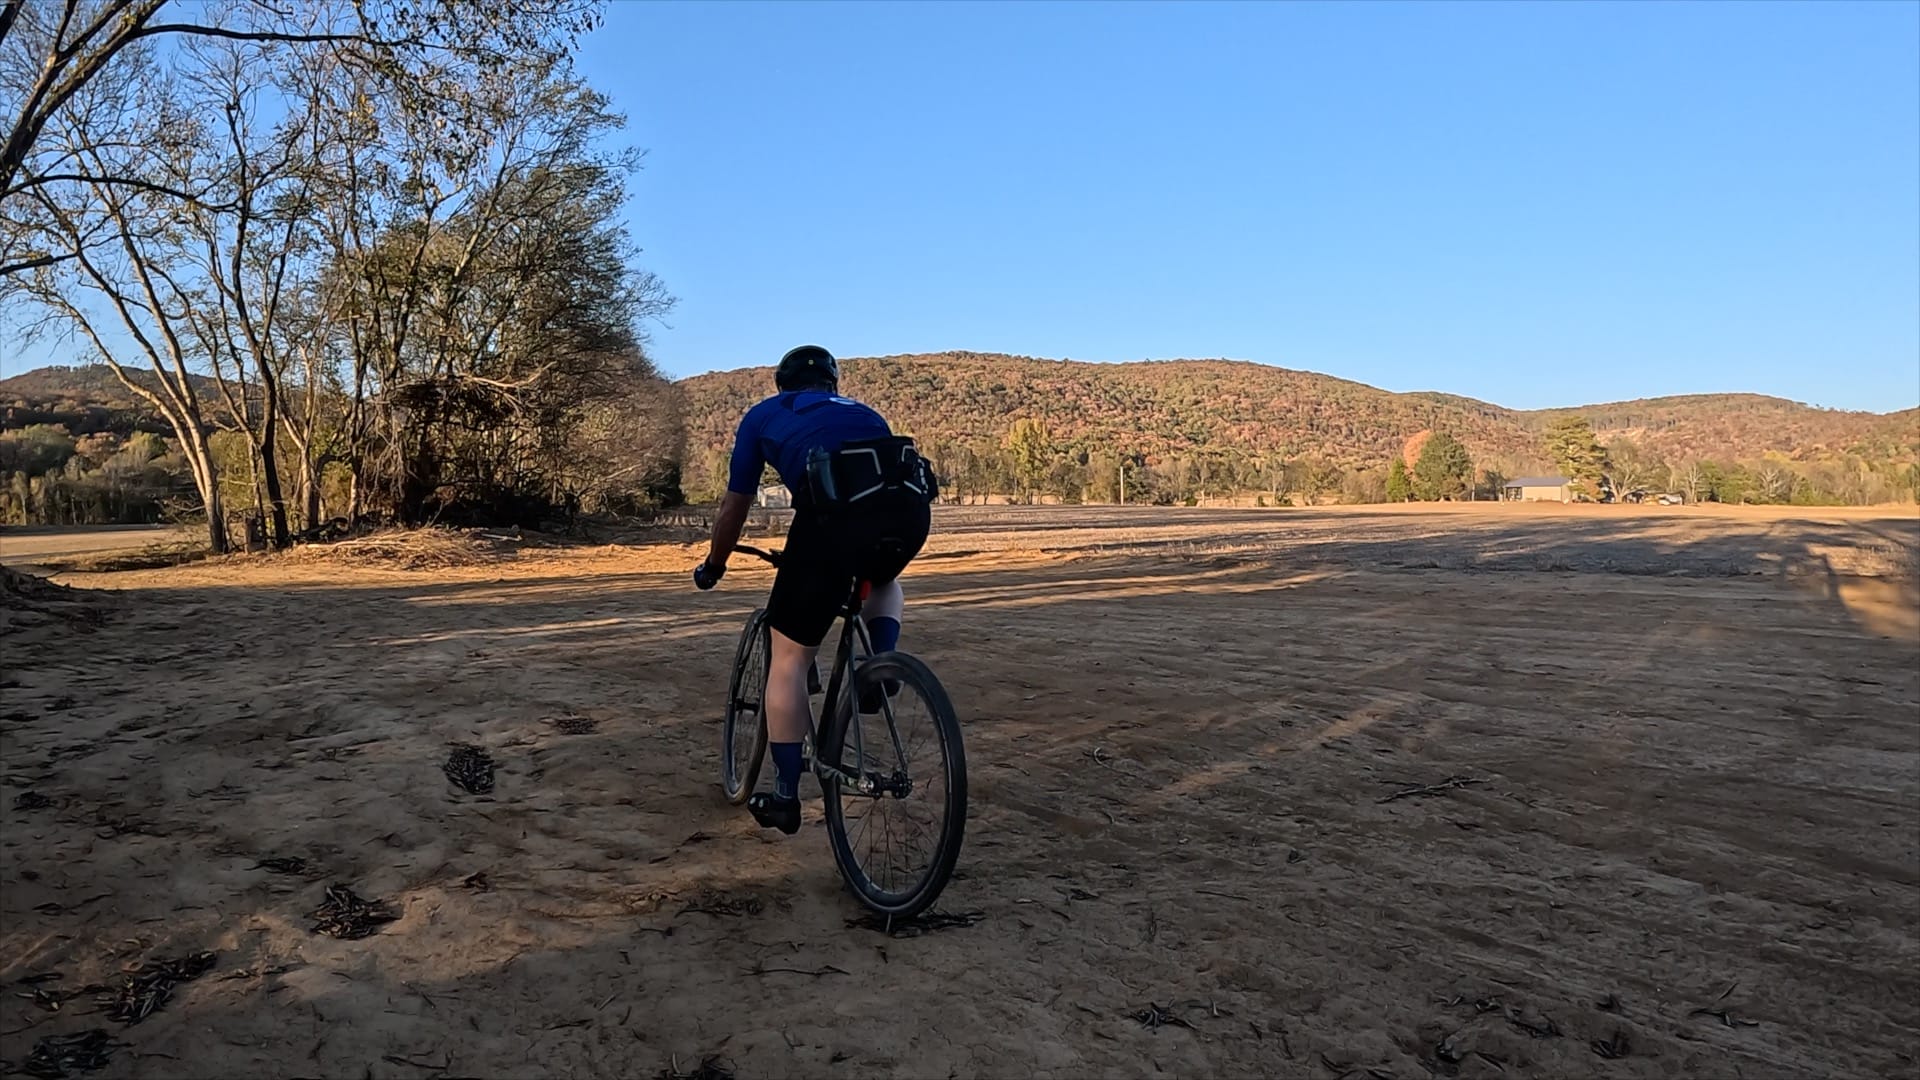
<point x="312" y="419"/>
<point x="1775" y="481"/>
<point x="243" y="255"/>
<point x="52" y="50"/>
<point x="620" y="452"/>
<point x="497" y="299"/>
<point x="378" y="232"/>
<point x="156" y="214"/>
<point x="1629" y="467"/>
<point x="1688" y="478"/>
<point x="116" y="278"/>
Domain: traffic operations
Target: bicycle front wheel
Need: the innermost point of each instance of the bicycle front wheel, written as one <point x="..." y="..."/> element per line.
<point x="896" y="821"/>
<point x="743" y="736"/>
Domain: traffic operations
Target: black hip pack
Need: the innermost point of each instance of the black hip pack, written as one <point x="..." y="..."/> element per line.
<point x="869" y="474"/>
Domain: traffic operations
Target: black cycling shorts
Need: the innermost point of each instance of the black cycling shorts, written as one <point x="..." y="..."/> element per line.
<point x="825" y="555"/>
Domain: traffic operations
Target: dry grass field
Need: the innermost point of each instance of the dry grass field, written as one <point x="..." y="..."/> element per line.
<point x="1672" y="825"/>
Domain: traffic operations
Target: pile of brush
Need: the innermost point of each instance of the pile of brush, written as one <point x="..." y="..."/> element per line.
<point x="412" y="549"/>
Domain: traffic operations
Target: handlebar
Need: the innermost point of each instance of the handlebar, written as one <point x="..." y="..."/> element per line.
<point x="705" y="577"/>
<point x="767" y="556"/>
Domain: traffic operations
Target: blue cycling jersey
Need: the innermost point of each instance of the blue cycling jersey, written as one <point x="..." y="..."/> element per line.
<point x="783" y="429"/>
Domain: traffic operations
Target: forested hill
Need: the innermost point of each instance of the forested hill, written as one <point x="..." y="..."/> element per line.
<point x="1166" y="408"/>
<point x="1201" y="426"/>
<point x="84" y="400"/>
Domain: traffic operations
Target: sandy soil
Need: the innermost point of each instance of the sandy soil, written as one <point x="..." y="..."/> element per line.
<point x="1686" y="828"/>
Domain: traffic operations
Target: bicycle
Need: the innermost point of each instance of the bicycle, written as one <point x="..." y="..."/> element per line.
<point x="852" y="777"/>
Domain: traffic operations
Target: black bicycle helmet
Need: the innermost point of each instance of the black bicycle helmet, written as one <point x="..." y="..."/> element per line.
<point x="808" y="365"/>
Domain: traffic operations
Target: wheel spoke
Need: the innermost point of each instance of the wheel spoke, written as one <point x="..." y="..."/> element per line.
<point x="864" y="820"/>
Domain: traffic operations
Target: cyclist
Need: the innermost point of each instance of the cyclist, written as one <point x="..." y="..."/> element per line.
<point x="861" y="500"/>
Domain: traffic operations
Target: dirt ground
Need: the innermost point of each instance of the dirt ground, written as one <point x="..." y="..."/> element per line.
<point x="1682" y="836"/>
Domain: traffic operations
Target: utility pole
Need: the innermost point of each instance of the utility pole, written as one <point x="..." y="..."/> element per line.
<point x="1123" y="481"/>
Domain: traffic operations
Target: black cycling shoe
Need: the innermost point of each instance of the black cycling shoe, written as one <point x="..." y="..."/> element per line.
<point x="774" y="812"/>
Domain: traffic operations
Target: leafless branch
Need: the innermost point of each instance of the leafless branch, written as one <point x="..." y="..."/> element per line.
<point x="148" y="186"/>
<point x="34" y="263"/>
<point x="9" y="13"/>
<point x="277" y="36"/>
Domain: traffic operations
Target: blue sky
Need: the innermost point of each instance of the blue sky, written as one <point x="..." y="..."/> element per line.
<point x="1535" y="204"/>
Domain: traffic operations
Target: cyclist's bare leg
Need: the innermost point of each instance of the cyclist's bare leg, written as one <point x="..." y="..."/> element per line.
<point x="789" y="715"/>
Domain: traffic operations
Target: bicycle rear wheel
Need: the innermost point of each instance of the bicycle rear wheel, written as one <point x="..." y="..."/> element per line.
<point x="896" y="842"/>
<point x="743" y="737"/>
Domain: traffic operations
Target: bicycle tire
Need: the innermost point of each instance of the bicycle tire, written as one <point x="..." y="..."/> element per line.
<point x="908" y="672"/>
<point x="737" y="775"/>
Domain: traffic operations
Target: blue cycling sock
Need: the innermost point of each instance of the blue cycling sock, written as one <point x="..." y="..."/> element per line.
<point x="885" y="633"/>
<point x="786" y="770"/>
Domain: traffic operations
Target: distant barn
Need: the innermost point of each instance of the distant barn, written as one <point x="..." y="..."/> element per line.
<point x="1539" y="489"/>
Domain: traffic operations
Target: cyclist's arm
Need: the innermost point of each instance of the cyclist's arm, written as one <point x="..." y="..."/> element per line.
<point x="726" y="527"/>
<point x="743" y="479"/>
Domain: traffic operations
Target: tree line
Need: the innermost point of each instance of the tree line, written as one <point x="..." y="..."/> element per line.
<point x="1031" y="463"/>
<point x="1624" y="467"/>
<point x="1205" y="430"/>
<point x="115" y="471"/>
<point x="364" y="258"/>
<point x="52" y="477"/>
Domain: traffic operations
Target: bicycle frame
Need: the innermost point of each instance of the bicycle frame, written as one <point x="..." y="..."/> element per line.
<point x="853" y="634"/>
